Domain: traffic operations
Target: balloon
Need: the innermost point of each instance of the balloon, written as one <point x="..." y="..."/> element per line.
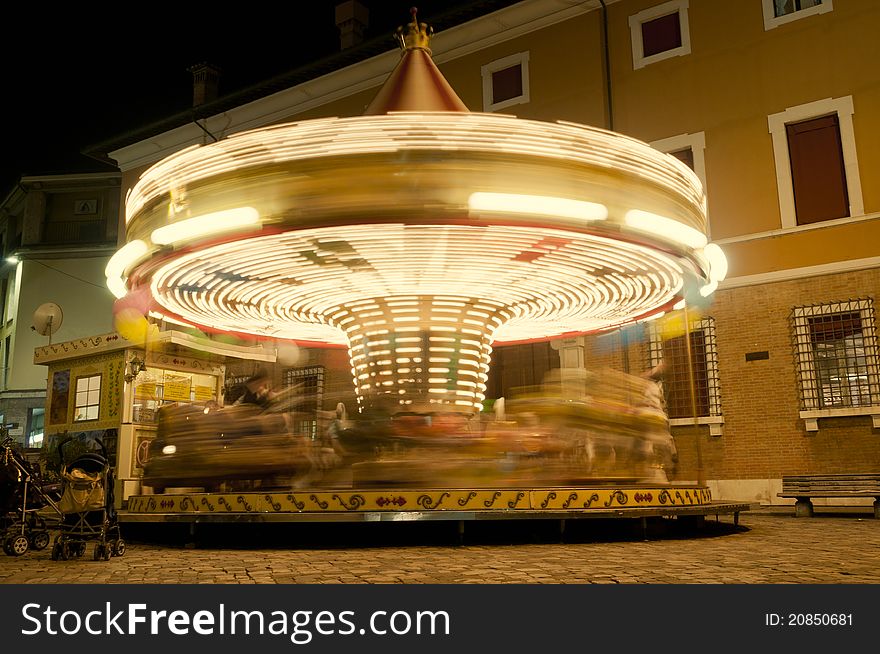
<point x="134" y="327"/>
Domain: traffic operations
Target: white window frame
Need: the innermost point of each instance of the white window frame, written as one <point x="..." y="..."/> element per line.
<point x="521" y="58"/>
<point x="635" y="31"/>
<point x="715" y="419"/>
<point x="843" y="107"/>
<point x="806" y="365"/>
<point x="77" y="406"/>
<point x="771" y="20"/>
<point x="697" y="144"/>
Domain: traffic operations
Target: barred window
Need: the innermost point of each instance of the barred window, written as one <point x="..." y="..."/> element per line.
<point x="676" y="382"/>
<point x="310" y="382"/>
<point x="835" y="348"/>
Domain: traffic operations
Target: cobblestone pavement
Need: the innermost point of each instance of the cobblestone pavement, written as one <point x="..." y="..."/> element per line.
<point x="765" y="549"/>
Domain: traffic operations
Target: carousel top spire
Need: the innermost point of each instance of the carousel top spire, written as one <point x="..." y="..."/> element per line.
<point x="415" y="34"/>
<point x="416" y="84"/>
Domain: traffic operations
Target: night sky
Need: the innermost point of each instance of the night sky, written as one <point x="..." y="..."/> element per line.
<point x="79" y="76"/>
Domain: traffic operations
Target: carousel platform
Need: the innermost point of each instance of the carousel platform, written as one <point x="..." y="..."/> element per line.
<point x="377" y="505"/>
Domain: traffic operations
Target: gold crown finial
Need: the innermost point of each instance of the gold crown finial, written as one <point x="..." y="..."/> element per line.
<point x="415" y="34"/>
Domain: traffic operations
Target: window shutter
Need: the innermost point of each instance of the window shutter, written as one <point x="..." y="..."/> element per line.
<point x="661" y="34"/>
<point x="817" y="170"/>
<point x="507" y="84"/>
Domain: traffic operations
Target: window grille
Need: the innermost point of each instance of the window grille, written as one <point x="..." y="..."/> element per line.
<point x="835" y="349"/>
<point x="310" y="382"/>
<point x="676" y="382"/>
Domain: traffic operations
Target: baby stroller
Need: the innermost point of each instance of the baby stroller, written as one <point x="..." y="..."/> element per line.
<point x="87" y="508"/>
<point x="22" y="497"/>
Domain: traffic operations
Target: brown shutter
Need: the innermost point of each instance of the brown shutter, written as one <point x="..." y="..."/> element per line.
<point x="677" y="382"/>
<point x="661" y="34"/>
<point x="817" y="172"/>
<point x="685" y="156"/>
<point x="507" y="84"/>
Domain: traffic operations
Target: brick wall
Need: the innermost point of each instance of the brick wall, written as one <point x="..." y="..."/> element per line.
<point x="763" y="435"/>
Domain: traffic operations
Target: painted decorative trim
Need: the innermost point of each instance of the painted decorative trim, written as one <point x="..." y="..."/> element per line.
<point x="599" y="499"/>
<point x="521" y="59"/>
<point x="843" y="107"/>
<point x="771" y="20"/>
<point x="45" y="354"/>
<point x="635" y="30"/>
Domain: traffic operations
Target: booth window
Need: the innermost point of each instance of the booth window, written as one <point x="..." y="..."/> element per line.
<point x="88" y="398"/>
<point x="156" y="387"/>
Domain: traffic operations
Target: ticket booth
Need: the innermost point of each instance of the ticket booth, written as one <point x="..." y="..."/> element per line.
<point x="105" y="387"/>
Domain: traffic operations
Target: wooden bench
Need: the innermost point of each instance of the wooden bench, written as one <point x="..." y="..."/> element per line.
<point x="803" y="487"/>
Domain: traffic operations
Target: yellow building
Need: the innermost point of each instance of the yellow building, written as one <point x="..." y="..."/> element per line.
<point x="775" y="105"/>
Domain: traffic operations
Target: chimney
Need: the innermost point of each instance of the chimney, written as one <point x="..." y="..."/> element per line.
<point x="206" y="80"/>
<point x="352" y="18"/>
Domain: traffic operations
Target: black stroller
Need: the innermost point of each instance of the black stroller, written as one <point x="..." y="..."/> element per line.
<point x="87" y="508"/>
<point x="22" y="497"/>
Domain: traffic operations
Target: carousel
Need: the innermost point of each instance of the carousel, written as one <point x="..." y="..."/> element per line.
<point x="418" y="236"/>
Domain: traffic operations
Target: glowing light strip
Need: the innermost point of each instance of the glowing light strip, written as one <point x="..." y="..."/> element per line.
<point x="545" y="295"/>
<point x="124" y="258"/>
<point x="717" y="262"/>
<point x="665" y="227"/>
<point x="206" y="225"/>
<point x="449" y="132"/>
<point x="541" y="205"/>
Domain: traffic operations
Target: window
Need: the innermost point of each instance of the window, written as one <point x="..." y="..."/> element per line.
<point x="506" y="82"/>
<point x="835" y="348"/>
<point x="817" y="171"/>
<point x="7" y="355"/>
<point x="779" y="12"/>
<point x="689" y="149"/>
<point x="659" y="33"/>
<point x="310" y="393"/>
<point x="36" y="418"/>
<point x="88" y="398"/>
<point x="672" y="350"/>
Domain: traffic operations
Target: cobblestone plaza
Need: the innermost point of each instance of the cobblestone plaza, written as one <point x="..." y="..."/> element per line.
<point x="766" y="548"/>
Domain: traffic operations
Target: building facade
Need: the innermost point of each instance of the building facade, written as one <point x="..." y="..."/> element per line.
<point x="775" y="105"/>
<point x="56" y="235"/>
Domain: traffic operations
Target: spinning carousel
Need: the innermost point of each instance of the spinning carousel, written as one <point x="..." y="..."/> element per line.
<point x="418" y="236"/>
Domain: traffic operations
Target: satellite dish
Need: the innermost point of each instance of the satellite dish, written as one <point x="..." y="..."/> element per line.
<point x="47" y="319"/>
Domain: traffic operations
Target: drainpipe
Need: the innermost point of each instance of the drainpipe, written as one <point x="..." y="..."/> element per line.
<point x="608" y="101"/>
